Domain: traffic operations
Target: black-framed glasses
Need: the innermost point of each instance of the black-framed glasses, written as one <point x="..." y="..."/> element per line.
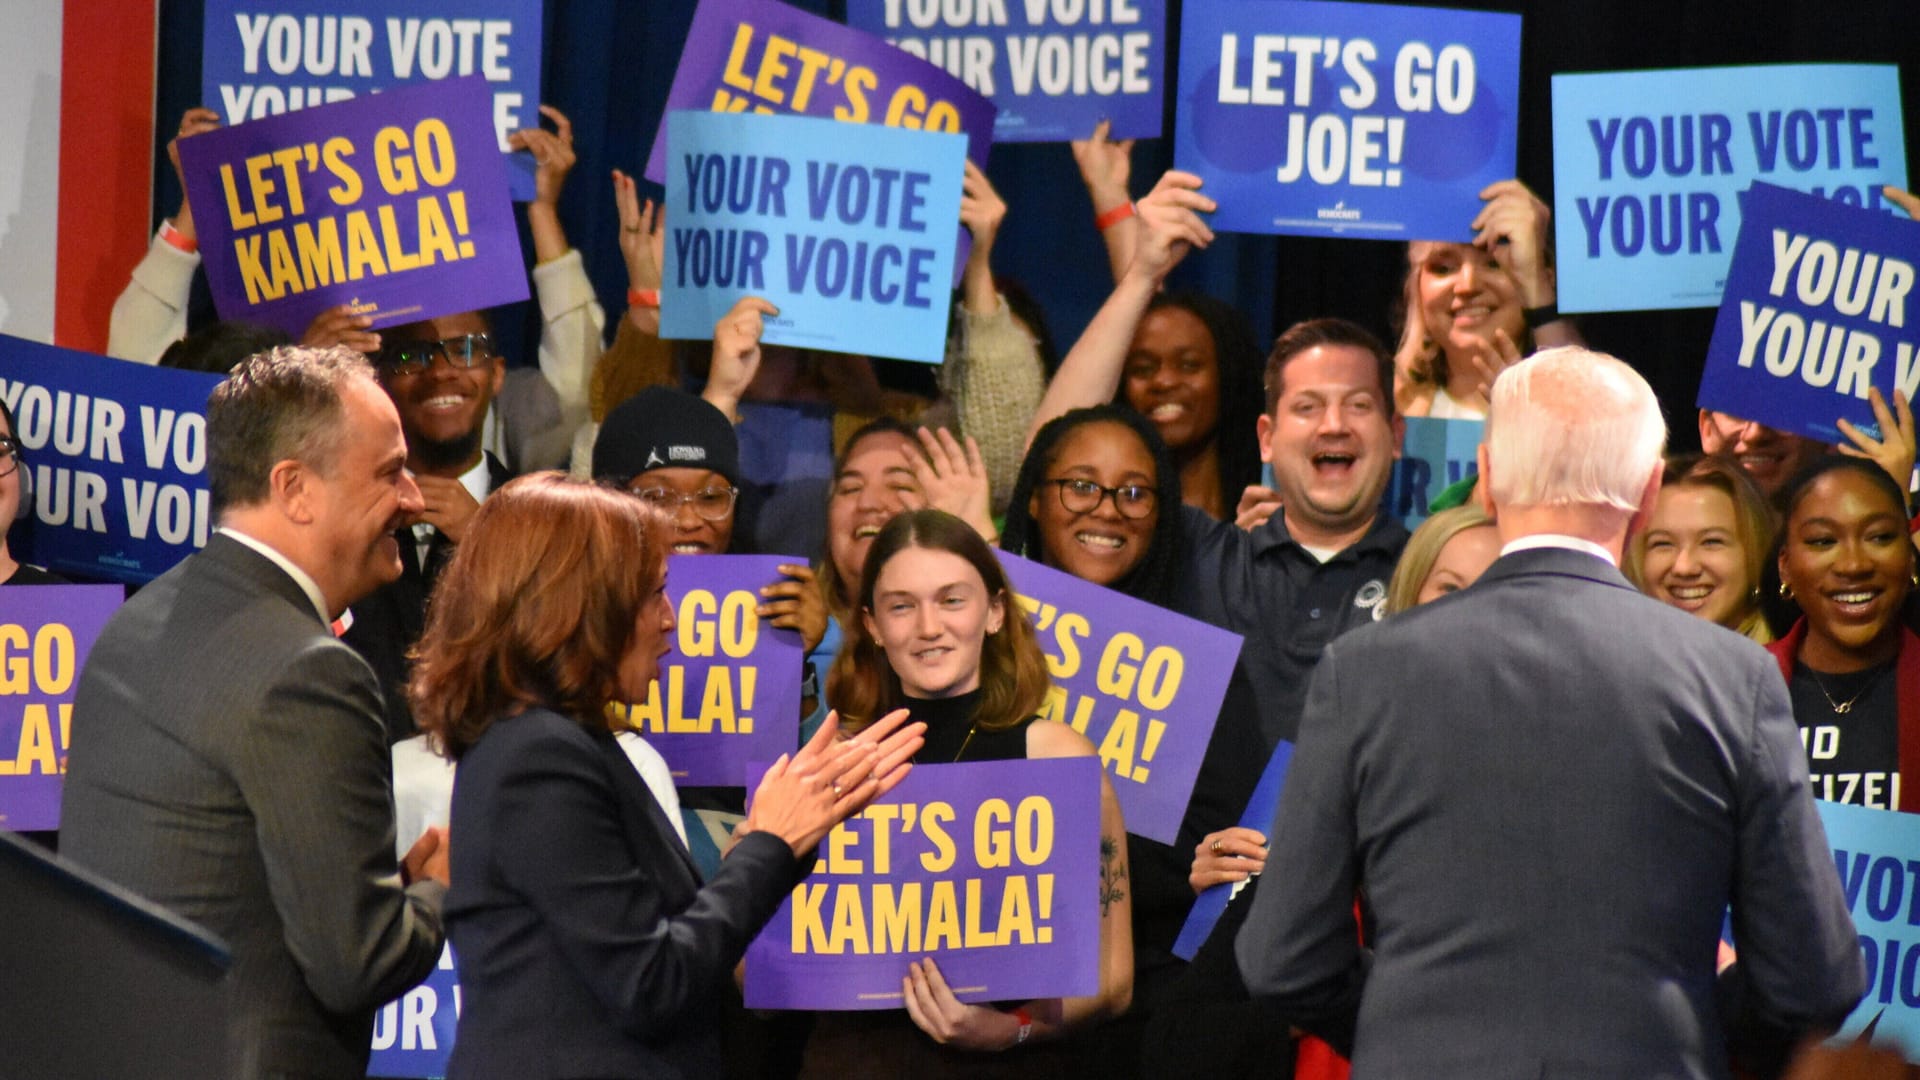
<point x="415" y="357"/>
<point x="9" y="454"/>
<point x="1083" y="497"/>
<point x="713" y="503"/>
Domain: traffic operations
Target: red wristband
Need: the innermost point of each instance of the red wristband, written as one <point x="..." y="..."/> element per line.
<point x="1113" y="217"/>
<point x="643" y="298"/>
<point x="1026" y="1024"/>
<point x="178" y="240"/>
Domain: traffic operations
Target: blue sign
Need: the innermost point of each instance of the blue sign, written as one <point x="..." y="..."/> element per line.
<point x="1647" y="167"/>
<point x="1258" y="816"/>
<point x="117" y="452"/>
<point x="1435" y="455"/>
<point x="1366" y="120"/>
<point x="846" y="228"/>
<point x="1877" y="853"/>
<point x="413" y="1033"/>
<point x="260" y="60"/>
<point x="1818" y="308"/>
<point x="1054" y="68"/>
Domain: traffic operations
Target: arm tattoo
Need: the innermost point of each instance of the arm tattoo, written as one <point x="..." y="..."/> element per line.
<point x="1113" y="871"/>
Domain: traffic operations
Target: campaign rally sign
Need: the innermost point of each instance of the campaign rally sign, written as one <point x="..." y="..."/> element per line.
<point x="729" y="692"/>
<point x="117" y="456"/>
<point x="847" y="229"/>
<point x="1877" y="853"/>
<point x="1818" y="309"/>
<point x="1366" y="120"/>
<point x="1648" y="167"/>
<point x="413" y="1034"/>
<point x="46" y="632"/>
<point x="394" y="203"/>
<point x="1054" y="68"/>
<point x="1142" y="683"/>
<point x="1258" y="816"/>
<point x="258" y="61"/>
<point x="1435" y="455"/>
<point x="991" y="869"/>
<point x="763" y="56"/>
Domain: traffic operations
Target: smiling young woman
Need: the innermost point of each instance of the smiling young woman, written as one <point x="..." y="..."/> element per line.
<point x="1706" y="544"/>
<point x="1852" y="667"/>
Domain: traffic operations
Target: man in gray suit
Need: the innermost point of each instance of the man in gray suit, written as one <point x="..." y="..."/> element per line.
<point x="1549" y="789"/>
<point x="228" y="755"/>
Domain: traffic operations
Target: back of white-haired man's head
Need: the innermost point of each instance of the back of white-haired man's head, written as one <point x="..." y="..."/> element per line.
<point x="1574" y="434"/>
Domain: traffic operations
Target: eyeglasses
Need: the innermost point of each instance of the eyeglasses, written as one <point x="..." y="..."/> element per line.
<point x="415" y="357"/>
<point x="1083" y="497"/>
<point x="9" y="455"/>
<point x="713" y="504"/>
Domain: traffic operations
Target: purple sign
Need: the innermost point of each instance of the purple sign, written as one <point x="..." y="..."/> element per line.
<point x="1815" y="312"/>
<point x="729" y="693"/>
<point x="1144" y="684"/>
<point x="394" y="203"/>
<point x="992" y="869"/>
<point x="46" y="632"/>
<point x="764" y="56"/>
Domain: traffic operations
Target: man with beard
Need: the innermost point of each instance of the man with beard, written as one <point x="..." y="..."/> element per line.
<point x="1320" y="566"/>
<point x="442" y="375"/>
<point x="226" y="756"/>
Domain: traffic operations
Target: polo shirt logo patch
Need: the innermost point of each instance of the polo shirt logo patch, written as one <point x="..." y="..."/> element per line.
<point x="1372" y="597"/>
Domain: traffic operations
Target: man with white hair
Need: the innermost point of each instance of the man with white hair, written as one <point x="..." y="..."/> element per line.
<point x="1549" y="790"/>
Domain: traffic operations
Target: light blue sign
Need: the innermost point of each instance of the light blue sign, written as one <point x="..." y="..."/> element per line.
<point x="1435" y="455"/>
<point x="1647" y="167"/>
<point x="1365" y="120"/>
<point x="846" y="228"/>
<point x="1054" y="68"/>
<point x="1877" y="853"/>
<point x="1819" y="307"/>
<point x="265" y="59"/>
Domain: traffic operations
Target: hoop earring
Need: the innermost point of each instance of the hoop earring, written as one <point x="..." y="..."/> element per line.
<point x="1785" y="593"/>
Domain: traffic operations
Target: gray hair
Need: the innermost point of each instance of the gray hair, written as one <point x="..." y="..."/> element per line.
<point x="279" y="405"/>
<point x="1573" y="427"/>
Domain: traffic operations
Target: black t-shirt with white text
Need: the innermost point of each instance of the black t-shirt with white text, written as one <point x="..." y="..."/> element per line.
<point x="1853" y="756"/>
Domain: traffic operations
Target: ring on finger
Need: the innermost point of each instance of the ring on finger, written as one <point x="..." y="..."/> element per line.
<point x="1214" y="847"/>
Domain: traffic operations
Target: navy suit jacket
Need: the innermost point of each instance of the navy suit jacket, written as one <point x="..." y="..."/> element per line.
<point x="586" y="943"/>
<point x="1549" y="788"/>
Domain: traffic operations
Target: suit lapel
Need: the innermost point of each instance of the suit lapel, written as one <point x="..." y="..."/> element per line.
<point x="642" y="811"/>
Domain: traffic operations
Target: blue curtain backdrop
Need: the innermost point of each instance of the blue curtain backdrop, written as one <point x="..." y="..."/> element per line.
<point x="608" y="64"/>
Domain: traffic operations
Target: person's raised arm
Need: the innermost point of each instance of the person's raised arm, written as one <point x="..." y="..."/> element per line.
<point x="571" y="317"/>
<point x="151" y="313"/>
<point x="1517" y="228"/>
<point x="1105" y="167"/>
<point x="1170" y="225"/>
<point x="736" y="353"/>
<point x="642" y="244"/>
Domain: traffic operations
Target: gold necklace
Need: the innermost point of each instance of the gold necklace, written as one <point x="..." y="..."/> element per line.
<point x="975" y="726"/>
<point x="1842" y="708"/>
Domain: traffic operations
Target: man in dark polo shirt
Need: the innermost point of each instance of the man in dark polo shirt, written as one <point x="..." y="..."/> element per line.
<point x="1320" y="566"/>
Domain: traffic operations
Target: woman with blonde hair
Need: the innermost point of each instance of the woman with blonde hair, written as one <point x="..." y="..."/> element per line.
<point x="1704" y="549"/>
<point x="1447" y="553"/>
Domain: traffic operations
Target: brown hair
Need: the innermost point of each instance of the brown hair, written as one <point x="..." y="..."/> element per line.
<point x="279" y="405"/>
<point x="838" y="593"/>
<point x="1302" y="336"/>
<point x="537" y="608"/>
<point x="1013" y="672"/>
<point x="1754" y="521"/>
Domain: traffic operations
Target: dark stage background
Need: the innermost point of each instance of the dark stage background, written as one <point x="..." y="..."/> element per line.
<point x="608" y="64"/>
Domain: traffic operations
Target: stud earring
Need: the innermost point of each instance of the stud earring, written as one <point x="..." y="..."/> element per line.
<point x="1785" y="593"/>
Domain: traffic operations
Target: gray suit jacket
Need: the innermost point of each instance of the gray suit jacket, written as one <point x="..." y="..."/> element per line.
<point x="1549" y="789"/>
<point x="229" y="762"/>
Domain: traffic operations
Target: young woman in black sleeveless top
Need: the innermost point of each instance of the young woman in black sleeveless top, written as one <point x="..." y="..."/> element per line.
<point x="938" y="632"/>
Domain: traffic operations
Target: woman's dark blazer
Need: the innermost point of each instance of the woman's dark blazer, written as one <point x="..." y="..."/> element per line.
<point x="587" y="945"/>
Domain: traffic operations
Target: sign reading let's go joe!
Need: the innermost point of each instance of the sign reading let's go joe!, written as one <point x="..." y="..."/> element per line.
<point x="992" y="869"/>
<point x="729" y="693"/>
<point x="259" y="61"/>
<point x="394" y="203"/>
<point x="113" y="461"/>
<point x="846" y="228"/>
<point x="1818" y="309"/>
<point x="1648" y="167"/>
<point x="1054" y="68"/>
<point x="46" y="632"/>
<point x="1367" y="120"/>
<point x="1143" y="684"/>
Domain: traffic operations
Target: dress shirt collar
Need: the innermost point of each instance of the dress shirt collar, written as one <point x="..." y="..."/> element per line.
<point x="300" y="577"/>
<point x="1558" y="540"/>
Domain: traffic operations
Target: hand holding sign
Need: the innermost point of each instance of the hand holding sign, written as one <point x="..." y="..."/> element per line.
<point x="1894" y="452"/>
<point x="795" y="604"/>
<point x="1514" y="226"/>
<point x="950" y="1021"/>
<point x="341" y="325"/>
<point x="1228" y="856"/>
<point x="1106" y="167"/>
<point x="193" y="122"/>
<point x="1170" y="226"/>
<point x="736" y="353"/>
